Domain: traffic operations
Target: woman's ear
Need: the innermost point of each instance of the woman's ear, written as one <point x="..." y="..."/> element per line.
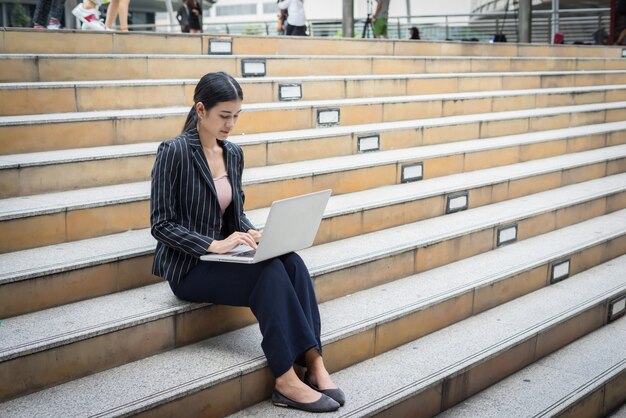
<point x="200" y="110"/>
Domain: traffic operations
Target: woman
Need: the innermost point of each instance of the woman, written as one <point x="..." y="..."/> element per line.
<point x="196" y="207"/>
<point x="296" y="20"/>
<point x="117" y="7"/>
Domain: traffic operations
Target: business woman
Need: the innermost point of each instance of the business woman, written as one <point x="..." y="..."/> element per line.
<point x="196" y="206"/>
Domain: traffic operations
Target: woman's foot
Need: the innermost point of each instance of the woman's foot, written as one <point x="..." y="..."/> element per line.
<point x="293" y="388"/>
<point x="333" y="393"/>
<point x="316" y="371"/>
<point x="318" y="378"/>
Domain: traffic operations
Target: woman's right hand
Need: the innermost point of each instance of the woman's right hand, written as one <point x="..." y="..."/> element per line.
<point x="234" y="240"/>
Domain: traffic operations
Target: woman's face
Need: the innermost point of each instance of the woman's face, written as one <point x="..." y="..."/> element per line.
<point x="220" y="120"/>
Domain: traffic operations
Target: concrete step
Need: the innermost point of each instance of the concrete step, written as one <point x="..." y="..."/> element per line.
<point x="82" y="67"/>
<point x="78" y="129"/>
<point x="339" y="268"/>
<point x="87" y="211"/>
<point x="13" y="40"/>
<point x="586" y="378"/>
<point x="33" y="221"/>
<point x="36" y="132"/>
<point x="436" y="372"/>
<point x="430" y="141"/>
<point x="228" y="372"/>
<point x="86" y="96"/>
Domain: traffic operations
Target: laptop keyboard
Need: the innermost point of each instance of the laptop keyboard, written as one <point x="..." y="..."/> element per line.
<point x="245" y="254"/>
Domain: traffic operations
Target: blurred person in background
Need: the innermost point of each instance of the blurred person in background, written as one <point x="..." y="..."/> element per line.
<point x="379" y="19"/>
<point x="117" y="7"/>
<point x="48" y="14"/>
<point x="296" y="19"/>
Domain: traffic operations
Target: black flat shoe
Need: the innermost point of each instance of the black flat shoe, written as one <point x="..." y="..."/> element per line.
<point x="336" y="394"/>
<point x="323" y="404"/>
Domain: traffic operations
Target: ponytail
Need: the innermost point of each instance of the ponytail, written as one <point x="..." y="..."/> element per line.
<point x="212" y="89"/>
<point x="192" y="119"/>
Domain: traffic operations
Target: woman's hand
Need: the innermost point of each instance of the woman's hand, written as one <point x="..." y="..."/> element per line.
<point x="234" y="240"/>
<point x="256" y="235"/>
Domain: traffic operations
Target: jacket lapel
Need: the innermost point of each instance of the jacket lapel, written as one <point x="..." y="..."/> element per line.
<point x="200" y="160"/>
<point x="233" y="175"/>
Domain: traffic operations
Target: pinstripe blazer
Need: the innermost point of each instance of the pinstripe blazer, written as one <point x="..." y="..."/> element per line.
<point x="185" y="215"/>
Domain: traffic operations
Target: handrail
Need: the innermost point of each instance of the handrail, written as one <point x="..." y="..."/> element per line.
<point x="577" y="24"/>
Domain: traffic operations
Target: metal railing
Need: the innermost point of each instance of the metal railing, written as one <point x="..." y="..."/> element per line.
<point x="578" y="25"/>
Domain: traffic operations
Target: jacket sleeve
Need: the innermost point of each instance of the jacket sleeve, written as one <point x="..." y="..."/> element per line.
<point x="244" y="222"/>
<point x="164" y="195"/>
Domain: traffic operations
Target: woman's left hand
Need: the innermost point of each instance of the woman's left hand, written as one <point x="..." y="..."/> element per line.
<point x="256" y="235"/>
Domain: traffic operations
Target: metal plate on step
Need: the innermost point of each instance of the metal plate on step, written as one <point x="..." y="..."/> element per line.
<point x="368" y="143"/>
<point x="220" y="46"/>
<point x="328" y="117"/>
<point x="253" y="68"/>
<point x="507" y="234"/>
<point x="412" y="172"/>
<point x="456" y="202"/>
<point x="559" y="270"/>
<point x="289" y="92"/>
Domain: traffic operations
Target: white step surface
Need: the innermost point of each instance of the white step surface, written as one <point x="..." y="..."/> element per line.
<point x="549" y="386"/>
<point x="374" y="385"/>
<point x="23" y="206"/>
<point x="311" y="57"/>
<point x="269" y="79"/>
<point x="184" y="110"/>
<point x="36" y="331"/>
<point x="149" y="148"/>
<point x="22" y="265"/>
<point x="134" y="386"/>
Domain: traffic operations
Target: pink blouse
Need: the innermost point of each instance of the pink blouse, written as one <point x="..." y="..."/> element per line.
<point x="224" y="191"/>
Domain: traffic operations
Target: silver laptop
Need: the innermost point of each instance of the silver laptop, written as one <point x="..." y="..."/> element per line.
<point x="291" y="225"/>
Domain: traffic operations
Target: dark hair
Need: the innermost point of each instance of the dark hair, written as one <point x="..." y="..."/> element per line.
<point x="415" y="33"/>
<point x="212" y="89"/>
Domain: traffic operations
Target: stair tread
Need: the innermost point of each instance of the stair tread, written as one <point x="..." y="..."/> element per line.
<point x="200" y="365"/>
<point x="25" y="264"/>
<point x="34" y="332"/>
<point x="291" y="79"/>
<point x="300" y="104"/>
<point x="393" y="376"/>
<point x="12" y="161"/>
<point x="307" y="57"/>
<point x="17" y="207"/>
<point x="544" y="388"/>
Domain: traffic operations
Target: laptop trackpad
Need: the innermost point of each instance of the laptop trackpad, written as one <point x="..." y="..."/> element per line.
<point x="242" y="251"/>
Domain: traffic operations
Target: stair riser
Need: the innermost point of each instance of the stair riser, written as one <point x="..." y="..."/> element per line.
<point x="68" y="176"/>
<point x="36" y="371"/>
<point x="85" y="42"/>
<point x="601" y="402"/>
<point x="454" y="389"/>
<point x="48" y="291"/>
<point x="46" y="68"/>
<point x="263" y="194"/>
<point x="36" y="231"/>
<point x="21" y="42"/>
<point x="362" y="346"/>
<point x="84" y="99"/>
<point x="132" y="130"/>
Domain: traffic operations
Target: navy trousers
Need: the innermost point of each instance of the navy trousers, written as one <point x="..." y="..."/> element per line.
<point x="280" y="293"/>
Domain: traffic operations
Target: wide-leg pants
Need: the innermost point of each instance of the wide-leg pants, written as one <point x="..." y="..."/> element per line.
<point x="280" y="293"/>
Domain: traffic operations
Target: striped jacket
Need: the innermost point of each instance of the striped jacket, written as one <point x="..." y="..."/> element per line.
<point x="185" y="215"/>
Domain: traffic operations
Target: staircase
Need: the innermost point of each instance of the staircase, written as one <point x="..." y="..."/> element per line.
<point x="474" y="248"/>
